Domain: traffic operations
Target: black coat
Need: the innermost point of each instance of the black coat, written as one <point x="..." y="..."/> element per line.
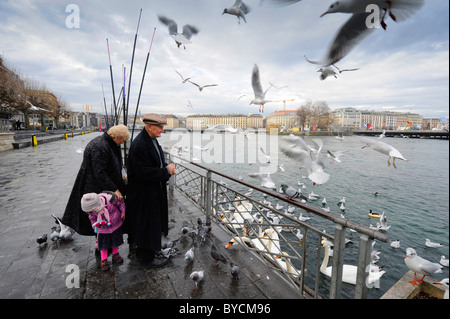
<point x="147" y="208"/>
<point x="101" y="170"/>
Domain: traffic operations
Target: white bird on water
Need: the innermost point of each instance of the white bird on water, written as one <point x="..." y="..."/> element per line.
<point x="239" y="9"/>
<point x="420" y="265"/>
<point x="431" y="244"/>
<point x="395" y="244"/>
<point x="386" y="149"/>
<point x="444" y="261"/>
<point x="265" y="179"/>
<point x="260" y="96"/>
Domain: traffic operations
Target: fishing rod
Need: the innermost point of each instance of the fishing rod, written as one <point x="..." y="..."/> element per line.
<point x="112" y="83"/>
<point x="132" y="61"/>
<point x="106" y="111"/>
<point x="124" y="108"/>
<point x="142" y="83"/>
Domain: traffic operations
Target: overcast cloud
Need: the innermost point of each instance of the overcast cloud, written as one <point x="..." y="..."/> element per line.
<point x="405" y="68"/>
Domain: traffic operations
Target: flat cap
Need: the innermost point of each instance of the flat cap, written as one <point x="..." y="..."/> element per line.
<point x="154" y="119"/>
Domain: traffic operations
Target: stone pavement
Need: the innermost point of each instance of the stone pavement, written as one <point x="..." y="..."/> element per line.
<point x="36" y="182"/>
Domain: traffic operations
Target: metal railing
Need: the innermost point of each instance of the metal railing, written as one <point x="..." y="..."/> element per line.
<point x="284" y="240"/>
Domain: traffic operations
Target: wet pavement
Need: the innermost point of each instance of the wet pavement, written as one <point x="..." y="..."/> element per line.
<point x="35" y="183"/>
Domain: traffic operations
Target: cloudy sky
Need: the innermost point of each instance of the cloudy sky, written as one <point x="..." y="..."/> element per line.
<point x="405" y="68"/>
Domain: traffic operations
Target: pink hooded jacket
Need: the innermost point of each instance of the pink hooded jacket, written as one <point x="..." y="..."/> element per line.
<point x="111" y="213"/>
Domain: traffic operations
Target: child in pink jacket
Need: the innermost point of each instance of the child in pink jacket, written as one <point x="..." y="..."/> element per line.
<point x="106" y="214"/>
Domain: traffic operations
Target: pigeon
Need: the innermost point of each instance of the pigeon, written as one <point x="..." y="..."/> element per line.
<point x="257" y="90"/>
<point x="239" y="9"/>
<point x="184" y="231"/>
<point x="291" y="192"/>
<point x="235" y="272"/>
<point x="66" y="233"/>
<point x="42" y="240"/>
<point x="216" y="255"/>
<point x="201" y="87"/>
<point x="430" y="244"/>
<point x="189" y="256"/>
<point x="197" y="276"/>
<point x="54" y="235"/>
<point x="180" y="38"/>
<point x="265" y="179"/>
<point x="203" y="231"/>
<point x="420" y="265"/>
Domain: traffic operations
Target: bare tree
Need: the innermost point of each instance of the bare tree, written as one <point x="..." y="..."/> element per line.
<point x="314" y="113"/>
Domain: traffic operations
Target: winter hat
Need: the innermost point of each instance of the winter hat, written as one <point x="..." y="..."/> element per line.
<point x="91" y="202"/>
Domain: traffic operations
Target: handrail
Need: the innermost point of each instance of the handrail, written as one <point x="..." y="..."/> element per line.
<point x="207" y="199"/>
<point x="374" y="234"/>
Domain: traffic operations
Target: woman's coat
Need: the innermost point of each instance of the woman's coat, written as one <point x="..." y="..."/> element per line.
<point x="101" y="170"/>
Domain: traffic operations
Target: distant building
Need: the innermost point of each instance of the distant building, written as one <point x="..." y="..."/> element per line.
<point x="238" y="121"/>
<point x="288" y="119"/>
<point x="352" y="119"/>
<point x="172" y="121"/>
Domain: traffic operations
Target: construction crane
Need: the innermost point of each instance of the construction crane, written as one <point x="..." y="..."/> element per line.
<point x="284" y="103"/>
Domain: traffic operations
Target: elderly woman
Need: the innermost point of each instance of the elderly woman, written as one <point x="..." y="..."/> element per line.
<point x="101" y="170"/>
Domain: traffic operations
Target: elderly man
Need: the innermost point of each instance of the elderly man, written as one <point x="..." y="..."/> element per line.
<point x="147" y="206"/>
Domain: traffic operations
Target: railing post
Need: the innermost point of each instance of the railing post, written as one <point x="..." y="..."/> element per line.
<point x="208" y="208"/>
<point x="365" y="247"/>
<point x="172" y="179"/>
<point x="338" y="262"/>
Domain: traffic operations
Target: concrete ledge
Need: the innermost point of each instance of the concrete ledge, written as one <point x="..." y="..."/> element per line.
<point x="403" y="289"/>
<point x="6" y="140"/>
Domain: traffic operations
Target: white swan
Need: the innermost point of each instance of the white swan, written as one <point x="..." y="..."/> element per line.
<point x="349" y="272"/>
<point x="284" y="263"/>
<point x="272" y="243"/>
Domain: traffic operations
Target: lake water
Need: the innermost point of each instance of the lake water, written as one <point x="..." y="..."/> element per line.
<point x="414" y="196"/>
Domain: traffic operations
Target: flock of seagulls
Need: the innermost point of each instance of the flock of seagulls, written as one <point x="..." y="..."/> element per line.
<point x="311" y="161"/>
<point x="348" y="36"/>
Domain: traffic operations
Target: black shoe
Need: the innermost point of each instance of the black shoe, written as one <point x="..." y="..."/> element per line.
<point x="158" y="262"/>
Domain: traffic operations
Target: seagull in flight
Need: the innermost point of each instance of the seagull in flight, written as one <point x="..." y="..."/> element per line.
<point x="182" y="77"/>
<point x="386" y="149"/>
<point x="239" y="9"/>
<point x="201" y="87"/>
<point x="257" y="90"/>
<point x="180" y="38"/>
<point x="326" y="71"/>
<point x="357" y="28"/>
